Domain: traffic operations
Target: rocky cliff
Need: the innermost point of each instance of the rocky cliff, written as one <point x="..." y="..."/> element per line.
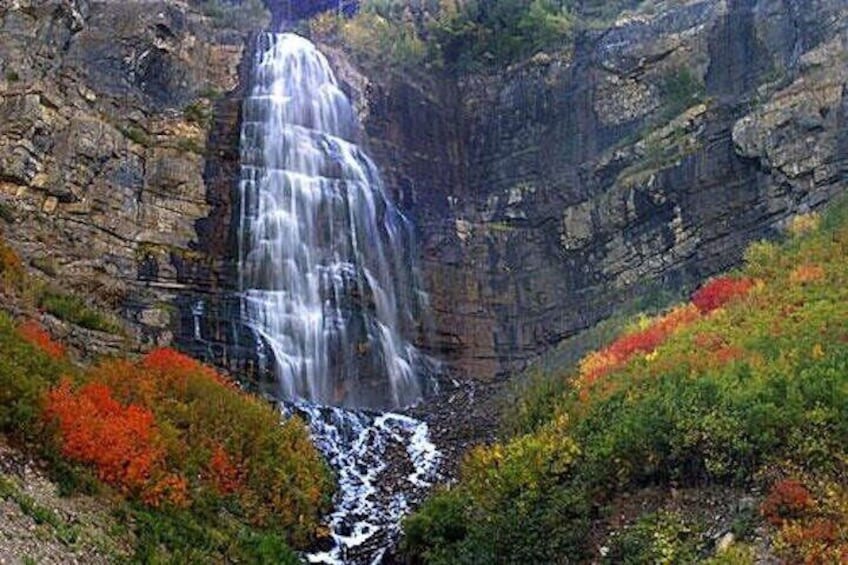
<point x="546" y="195"/>
<point x="635" y="164"/>
<point x="106" y="147"/>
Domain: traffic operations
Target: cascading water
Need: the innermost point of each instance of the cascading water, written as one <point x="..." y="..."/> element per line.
<point x="326" y="267"/>
<point x="329" y="288"/>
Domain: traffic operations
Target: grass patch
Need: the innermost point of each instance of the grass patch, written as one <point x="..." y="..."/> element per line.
<point x="68" y="534"/>
<point x="198" y="113"/>
<point x="187" y="145"/>
<point x="137" y="135"/>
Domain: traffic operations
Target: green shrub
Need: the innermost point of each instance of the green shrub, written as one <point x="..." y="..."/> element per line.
<point x="250" y="14"/>
<point x="73" y="309"/>
<point x="137" y="135"/>
<point x="661" y="537"/>
<point x="681" y="89"/>
<point x="198" y="113"/>
<point x="26" y="373"/>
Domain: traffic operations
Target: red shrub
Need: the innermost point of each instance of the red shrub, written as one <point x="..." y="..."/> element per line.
<point x="225" y="476"/>
<point x="121" y="442"/>
<point x="786" y="500"/>
<point x="33" y="333"/>
<point x="719" y="292"/>
<point x="173" y="367"/>
<point x="622" y="350"/>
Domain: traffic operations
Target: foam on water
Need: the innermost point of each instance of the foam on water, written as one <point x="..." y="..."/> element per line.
<point x="371" y="454"/>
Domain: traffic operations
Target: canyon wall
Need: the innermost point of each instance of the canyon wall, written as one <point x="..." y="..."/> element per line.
<point x="547" y="195"/>
<point x="615" y="174"/>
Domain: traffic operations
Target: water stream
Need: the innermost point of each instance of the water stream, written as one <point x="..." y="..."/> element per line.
<point x="330" y="289"/>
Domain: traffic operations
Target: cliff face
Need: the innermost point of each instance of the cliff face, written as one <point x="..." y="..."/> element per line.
<point x="105" y="138"/>
<point x="645" y="159"/>
<point x="546" y="195"/>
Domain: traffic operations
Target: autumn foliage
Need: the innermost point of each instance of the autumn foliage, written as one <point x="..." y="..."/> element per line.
<point x="11" y="267"/>
<point x="719" y="292"/>
<point x="643" y="341"/>
<point x="787" y="499"/>
<point x="811" y="529"/>
<point x="122" y="443"/>
<point x="33" y="333"/>
<point x="744" y="384"/>
<point x="169" y="430"/>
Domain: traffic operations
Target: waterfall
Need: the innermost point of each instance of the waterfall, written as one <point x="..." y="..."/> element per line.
<point x="328" y="286"/>
<point x="326" y="261"/>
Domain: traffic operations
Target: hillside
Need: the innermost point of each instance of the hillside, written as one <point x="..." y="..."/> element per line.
<point x="150" y="459"/>
<point x="714" y="432"/>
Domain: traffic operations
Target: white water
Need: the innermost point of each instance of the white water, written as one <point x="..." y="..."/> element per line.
<point x="326" y="267"/>
<point x="371" y="453"/>
<point x="329" y="288"/>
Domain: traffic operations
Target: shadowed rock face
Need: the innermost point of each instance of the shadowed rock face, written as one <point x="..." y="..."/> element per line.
<point x="549" y="194"/>
<point x="545" y="195"/>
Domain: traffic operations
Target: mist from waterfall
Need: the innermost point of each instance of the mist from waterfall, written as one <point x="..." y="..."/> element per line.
<point x="327" y="270"/>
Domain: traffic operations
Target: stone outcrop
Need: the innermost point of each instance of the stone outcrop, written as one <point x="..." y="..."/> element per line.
<point x="106" y="135"/>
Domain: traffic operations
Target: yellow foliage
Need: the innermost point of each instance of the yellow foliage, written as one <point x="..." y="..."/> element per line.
<point x="804" y="223"/>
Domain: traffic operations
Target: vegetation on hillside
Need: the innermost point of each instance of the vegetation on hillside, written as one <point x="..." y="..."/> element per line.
<point x="462" y="35"/>
<point x="200" y="470"/>
<point x="746" y="387"/>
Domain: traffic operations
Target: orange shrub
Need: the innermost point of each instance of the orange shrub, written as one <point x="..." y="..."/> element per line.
<point x="11" y="267"/>
<point x="787" y="499"/>
<point x="206" y="437"/>
<point x="807" y="273"/>
<point x="600" y="363"/>
<point x="121" y="442"/>
<point x="224" y="475"/>
<point x="33" y="333"/>
<point x="719" y="292"/>
<point x="174" y="368"/>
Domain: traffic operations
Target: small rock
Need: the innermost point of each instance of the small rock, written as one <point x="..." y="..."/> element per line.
<point x="725" y="542"/>
<point x="50" y="204"/>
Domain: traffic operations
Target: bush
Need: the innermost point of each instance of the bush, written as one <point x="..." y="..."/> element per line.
<point x="681" y="90"/>
<point x="787" y="499"/>
<point x="26" y="372"/>
<point x="33" y="333"/>
<point x="661" y="537"/>
<point x="169" y="430"/>
<point x="73" y="309"/>
<point x="240" y="15"/>
<point x="122" y="443"/>
<point x="719" y="292"/>
<point x="12" y="273"/>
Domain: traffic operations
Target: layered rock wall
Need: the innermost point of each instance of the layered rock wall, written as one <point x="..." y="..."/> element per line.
<point x="547" y="195"/>
<point x="646" y="158"/>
